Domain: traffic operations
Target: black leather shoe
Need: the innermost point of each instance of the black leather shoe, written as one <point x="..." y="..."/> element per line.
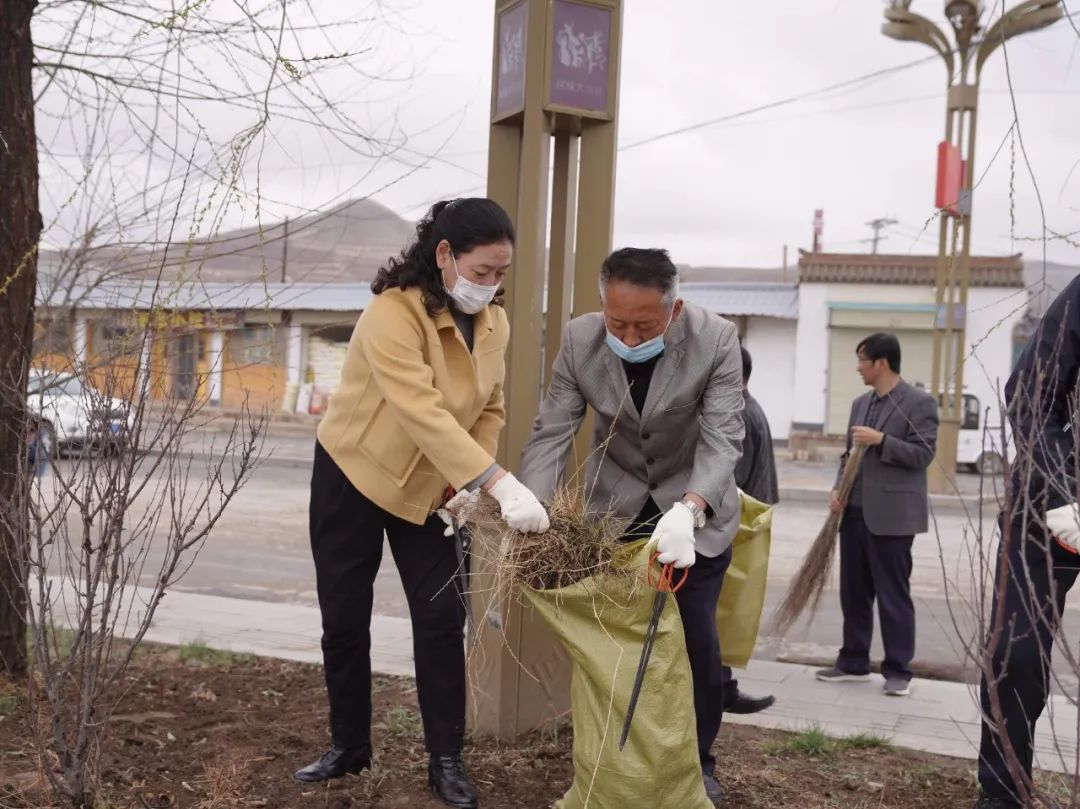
<point x="990" y="802"/>
<point x="712" y="790"/>
<point x="447" y="779"/>
<point x="744" y="703"/>
<point x="335" y="762"/>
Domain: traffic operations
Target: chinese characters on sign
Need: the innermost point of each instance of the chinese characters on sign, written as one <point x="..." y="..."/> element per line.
<point x="579" y="63"/>
<point x="510" y="92"/>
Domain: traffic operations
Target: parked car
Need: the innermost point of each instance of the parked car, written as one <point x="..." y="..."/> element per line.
<point x="71" y="416"/>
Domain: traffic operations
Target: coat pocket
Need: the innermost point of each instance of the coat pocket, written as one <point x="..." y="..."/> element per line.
<point x="388" y="446"/>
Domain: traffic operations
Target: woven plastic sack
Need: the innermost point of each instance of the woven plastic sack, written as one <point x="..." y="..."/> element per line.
<point x="601" y="622"/>
<point x="742" y="599"/>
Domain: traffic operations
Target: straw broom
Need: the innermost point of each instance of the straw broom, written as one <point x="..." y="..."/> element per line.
<point x="809" y="583"/>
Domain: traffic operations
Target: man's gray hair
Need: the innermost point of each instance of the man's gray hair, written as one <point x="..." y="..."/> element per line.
<point x="646" y="267"/>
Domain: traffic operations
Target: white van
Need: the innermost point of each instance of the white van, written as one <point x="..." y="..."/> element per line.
<point x="979" y="447"/>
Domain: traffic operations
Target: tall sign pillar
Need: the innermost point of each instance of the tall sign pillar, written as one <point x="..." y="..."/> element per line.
<point x="554" y="92"/>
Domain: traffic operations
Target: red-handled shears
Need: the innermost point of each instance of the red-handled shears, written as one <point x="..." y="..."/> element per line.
<point x="665" y="585"/>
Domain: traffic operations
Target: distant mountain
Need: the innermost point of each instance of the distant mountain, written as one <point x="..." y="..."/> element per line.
<point x="346" y="243"/>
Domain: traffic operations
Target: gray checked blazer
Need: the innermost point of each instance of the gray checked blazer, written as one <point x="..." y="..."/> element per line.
<point x="687" y="439"/>
<point x="893" y="475"/>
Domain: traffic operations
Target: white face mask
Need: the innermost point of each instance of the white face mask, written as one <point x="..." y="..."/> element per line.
<point x="469" y="297"/>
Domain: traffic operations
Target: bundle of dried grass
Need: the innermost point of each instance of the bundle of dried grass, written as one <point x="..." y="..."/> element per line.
<point x="809" y="583"/>
<point x="578" y="545"/>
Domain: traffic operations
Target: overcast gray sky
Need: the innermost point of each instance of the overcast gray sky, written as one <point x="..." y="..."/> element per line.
<point x="731" y="194"/>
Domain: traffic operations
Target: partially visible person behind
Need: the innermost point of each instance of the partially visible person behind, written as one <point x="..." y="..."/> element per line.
<point x="755" y="474"/>
<point x="420" y="407"/>
<point x="898" y="424"/>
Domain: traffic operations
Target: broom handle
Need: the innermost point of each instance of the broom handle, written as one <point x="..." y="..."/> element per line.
<point x="851" y="469"/>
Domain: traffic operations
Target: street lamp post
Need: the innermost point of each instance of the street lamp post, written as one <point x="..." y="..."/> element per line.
<point x="964" y="61"/>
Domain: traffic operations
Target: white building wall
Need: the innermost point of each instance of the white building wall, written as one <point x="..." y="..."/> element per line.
<point x="295" y="353"/>
<point x="811" y="370"/>
<point x="992" y="316"/>
<point x="215" y="360"/>
<point x="79" y="339"/>
<point x="771" y="343"/>
<point x="993" y="312"/>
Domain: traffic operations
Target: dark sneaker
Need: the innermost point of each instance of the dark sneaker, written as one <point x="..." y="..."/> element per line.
<point x="897" y="687"/>
<point x="835" y="675"/>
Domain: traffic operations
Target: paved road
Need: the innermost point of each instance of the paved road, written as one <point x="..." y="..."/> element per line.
<point x="260" y="551"/>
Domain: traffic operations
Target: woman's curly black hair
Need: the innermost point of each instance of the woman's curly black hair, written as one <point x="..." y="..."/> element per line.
<point x="465" y="224"/>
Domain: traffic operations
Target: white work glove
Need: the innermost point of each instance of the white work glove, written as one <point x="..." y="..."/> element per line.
<point x="520" y="508"/>
<point x="673" y="537"/>
<point x="1064" y="524"/>
<point x="458" y="507"/>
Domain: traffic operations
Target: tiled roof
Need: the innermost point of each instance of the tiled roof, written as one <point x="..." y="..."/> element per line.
<point x="767" y="300"/>
<point x="211" y="296"/>
<point x="863" y="268"/>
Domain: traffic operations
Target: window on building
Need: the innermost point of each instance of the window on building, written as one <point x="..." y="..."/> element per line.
<point x="112" y="339"/>
<point x="54" y="336"/>
<point x="256" y="345"/>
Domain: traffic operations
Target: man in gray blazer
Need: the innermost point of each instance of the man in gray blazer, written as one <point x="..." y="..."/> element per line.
<point x="897" y="423"/>
<point x="665" y="381"/>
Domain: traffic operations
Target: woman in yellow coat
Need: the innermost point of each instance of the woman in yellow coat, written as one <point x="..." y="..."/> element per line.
<point x="419" y="408"/>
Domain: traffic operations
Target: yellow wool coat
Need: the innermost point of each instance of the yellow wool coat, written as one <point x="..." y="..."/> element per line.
<point x="414" y="410"/>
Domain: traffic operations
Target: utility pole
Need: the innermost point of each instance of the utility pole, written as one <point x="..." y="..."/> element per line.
<point x="878" y="225"/>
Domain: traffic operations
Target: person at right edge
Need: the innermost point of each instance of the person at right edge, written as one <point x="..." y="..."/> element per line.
<point x="898" y="425"/>
<point x="1036" y="572"/>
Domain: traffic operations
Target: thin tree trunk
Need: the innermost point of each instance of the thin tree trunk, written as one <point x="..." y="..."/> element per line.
<point x="20" y="228"/>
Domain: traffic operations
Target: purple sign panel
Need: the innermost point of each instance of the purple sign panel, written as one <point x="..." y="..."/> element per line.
<point x="579" y="59"/>
<point x="510" y="86"/>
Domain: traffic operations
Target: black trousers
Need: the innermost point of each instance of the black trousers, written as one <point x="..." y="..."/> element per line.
<point x="1038" y="576"/>
<point x="347" y="533"/>
<point x="731" y="685"/>
<point x="697" y="607"/>
<point x="875" y="567"/>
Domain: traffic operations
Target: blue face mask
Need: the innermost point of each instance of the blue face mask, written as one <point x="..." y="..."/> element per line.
<point x="643" y="352"/>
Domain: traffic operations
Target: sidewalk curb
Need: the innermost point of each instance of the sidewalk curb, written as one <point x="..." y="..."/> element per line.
<point x="270" y="460"/>
<point x="943" y="502"/>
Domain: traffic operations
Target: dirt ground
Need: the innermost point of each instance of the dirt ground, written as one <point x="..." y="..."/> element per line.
<point x="202" y="730"/>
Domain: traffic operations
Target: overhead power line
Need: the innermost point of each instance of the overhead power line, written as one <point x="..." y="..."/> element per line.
<point x="877" y="74"/>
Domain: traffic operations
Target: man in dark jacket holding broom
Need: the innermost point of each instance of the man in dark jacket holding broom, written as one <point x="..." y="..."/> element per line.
<point x="1037" y="560"/>
<point x="897" y="424"/>
<point x="665" y="381"/>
